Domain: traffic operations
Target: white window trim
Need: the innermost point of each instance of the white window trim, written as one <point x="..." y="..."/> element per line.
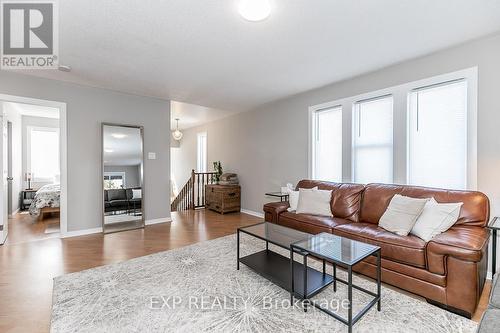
<point x="400" y="95"/>
<point x="29" y="129"/>
<point x="205" y="167"/>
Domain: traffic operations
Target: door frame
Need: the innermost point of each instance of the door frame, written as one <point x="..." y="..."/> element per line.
<point x="63" y="146"/>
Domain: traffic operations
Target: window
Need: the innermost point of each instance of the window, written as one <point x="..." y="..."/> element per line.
<point x="43" y="153"/>
<point x="437" y="135"/>
<point x="372" y="150"/>
<point x="201" y="161"/>
<point x="327" y="144"/>
<point x="113" y="180"/>
<point x="420" y="133"/>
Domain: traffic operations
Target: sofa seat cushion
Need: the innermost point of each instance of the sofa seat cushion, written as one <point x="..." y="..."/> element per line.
<point x="404" y="249"/>
<point x="118" y="203"/>
<point x="310" y="223"/>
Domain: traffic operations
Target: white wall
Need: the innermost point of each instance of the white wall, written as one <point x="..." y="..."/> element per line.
<point x="17" y="173"/>
<point x="28" y="121"/>
<point x="268" y="146"/>
<point x="87" y="107"/>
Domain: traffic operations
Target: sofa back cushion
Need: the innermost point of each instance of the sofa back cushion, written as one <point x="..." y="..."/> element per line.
<point x="117" y="194"/>
<point x="346" y="198"/>
<point x="376" y="197"/>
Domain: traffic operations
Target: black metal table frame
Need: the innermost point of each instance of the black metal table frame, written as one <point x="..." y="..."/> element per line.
<point x="282" y="196"/>
<point x="494" y="246"/>
<point x="350" y="321"/>
<point x="253" y="235"/>
<point x="315" y="292"/>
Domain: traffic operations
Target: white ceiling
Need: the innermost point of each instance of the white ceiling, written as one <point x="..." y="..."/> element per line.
<point x="124" y="151"/>
<point x="191" y="115"/>
<point x="204" y="53"/>
<point x="34" y="110"/>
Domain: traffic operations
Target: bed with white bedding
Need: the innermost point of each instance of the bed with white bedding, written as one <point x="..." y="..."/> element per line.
<point x="47" y="199"/>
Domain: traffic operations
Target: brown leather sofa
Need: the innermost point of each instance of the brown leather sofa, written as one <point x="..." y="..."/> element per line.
<point x="449" y="271"/>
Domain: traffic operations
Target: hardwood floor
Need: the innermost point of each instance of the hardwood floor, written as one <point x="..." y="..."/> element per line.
<point x="28" y="267"/>
<point x="26" y="228"/>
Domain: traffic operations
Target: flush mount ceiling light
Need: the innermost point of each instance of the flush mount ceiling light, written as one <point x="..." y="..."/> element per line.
<point x="177" y="134"/>
<point x="118" y="135"/>
<point x="254" y="10"/>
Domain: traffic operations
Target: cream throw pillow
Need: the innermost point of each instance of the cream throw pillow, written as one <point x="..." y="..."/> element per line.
<point x="315" y="202"/>
<point x="401" y="215"/>
<point x="436" y="218"/>
<point x="293" y="199"/>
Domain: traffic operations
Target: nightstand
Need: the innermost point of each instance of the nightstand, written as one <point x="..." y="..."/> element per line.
<point x="27" y="197"/>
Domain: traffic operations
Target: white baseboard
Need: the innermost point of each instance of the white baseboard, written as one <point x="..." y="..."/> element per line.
<point x="81" y="232"/>
<point x="14" y="213"/>
<point x="160" y="220"/>
<point x="251" y="212"/>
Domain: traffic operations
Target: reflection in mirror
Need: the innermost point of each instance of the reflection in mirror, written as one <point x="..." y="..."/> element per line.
<point x="122" y="177"/>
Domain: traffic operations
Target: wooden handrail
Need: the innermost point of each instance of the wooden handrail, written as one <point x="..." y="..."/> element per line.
<point x="192" y="194"/>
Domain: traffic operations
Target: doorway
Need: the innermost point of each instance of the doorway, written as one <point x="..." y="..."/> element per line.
<point x="35" y="163"/>
<point x="10" y="177"/>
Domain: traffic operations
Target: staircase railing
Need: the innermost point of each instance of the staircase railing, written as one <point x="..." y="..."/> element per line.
<point x="192" y="194"/>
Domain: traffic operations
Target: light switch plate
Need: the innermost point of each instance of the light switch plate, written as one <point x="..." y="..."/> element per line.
<point x="151" y="156"/>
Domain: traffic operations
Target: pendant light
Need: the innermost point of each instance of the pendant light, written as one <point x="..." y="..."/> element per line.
<point x="177" y="134"/>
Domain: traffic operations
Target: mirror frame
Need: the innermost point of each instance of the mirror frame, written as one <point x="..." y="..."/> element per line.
<point x="143" y="154"/>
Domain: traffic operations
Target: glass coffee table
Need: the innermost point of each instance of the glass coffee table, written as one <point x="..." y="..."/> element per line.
<point x="276" y="267"/>
<point x="340" y="251"/>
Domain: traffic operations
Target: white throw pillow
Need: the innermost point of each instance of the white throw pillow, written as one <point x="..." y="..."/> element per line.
<point x="136" y="194"/>
<point x="293" y="199"/>
<point x="436" y="218"/>
<point x="401" y="215"/>
<point x="314" y="201"/>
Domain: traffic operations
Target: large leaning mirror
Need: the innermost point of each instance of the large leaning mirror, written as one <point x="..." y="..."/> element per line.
<point x="122" y="177"/>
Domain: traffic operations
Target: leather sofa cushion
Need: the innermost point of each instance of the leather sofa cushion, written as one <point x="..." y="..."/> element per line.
<point x="117" y="194"/>
<point x="118" y="203"/>
<point x="404" y="249"/>
<point x="376" y="198"/>
<point x="310" y="223"/>
<point x="346" y="198"/>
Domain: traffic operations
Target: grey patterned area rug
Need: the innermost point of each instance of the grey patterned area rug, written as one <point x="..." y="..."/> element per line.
<point x="198" y="289"/>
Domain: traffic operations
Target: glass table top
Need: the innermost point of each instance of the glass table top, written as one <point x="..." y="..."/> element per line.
<point x="276" y="234"/>
<point x="338" y="249"/>
<point x="277" y="194"/>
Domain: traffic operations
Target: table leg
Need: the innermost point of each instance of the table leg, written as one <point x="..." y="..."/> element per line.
<point x="238" y="250"/>
<point x="494" y="254"/>
<point x="334" y="277"/>
<point x="324" y="268"/>
<point x="349" y="298"/>
<point x="379" y="273"/>
<point x="305" y="282"/>
<point x="291" y="276"/>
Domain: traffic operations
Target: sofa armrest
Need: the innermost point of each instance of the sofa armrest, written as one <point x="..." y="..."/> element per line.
<point x="272" y="210"/>
<point x="463" y="243"/>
